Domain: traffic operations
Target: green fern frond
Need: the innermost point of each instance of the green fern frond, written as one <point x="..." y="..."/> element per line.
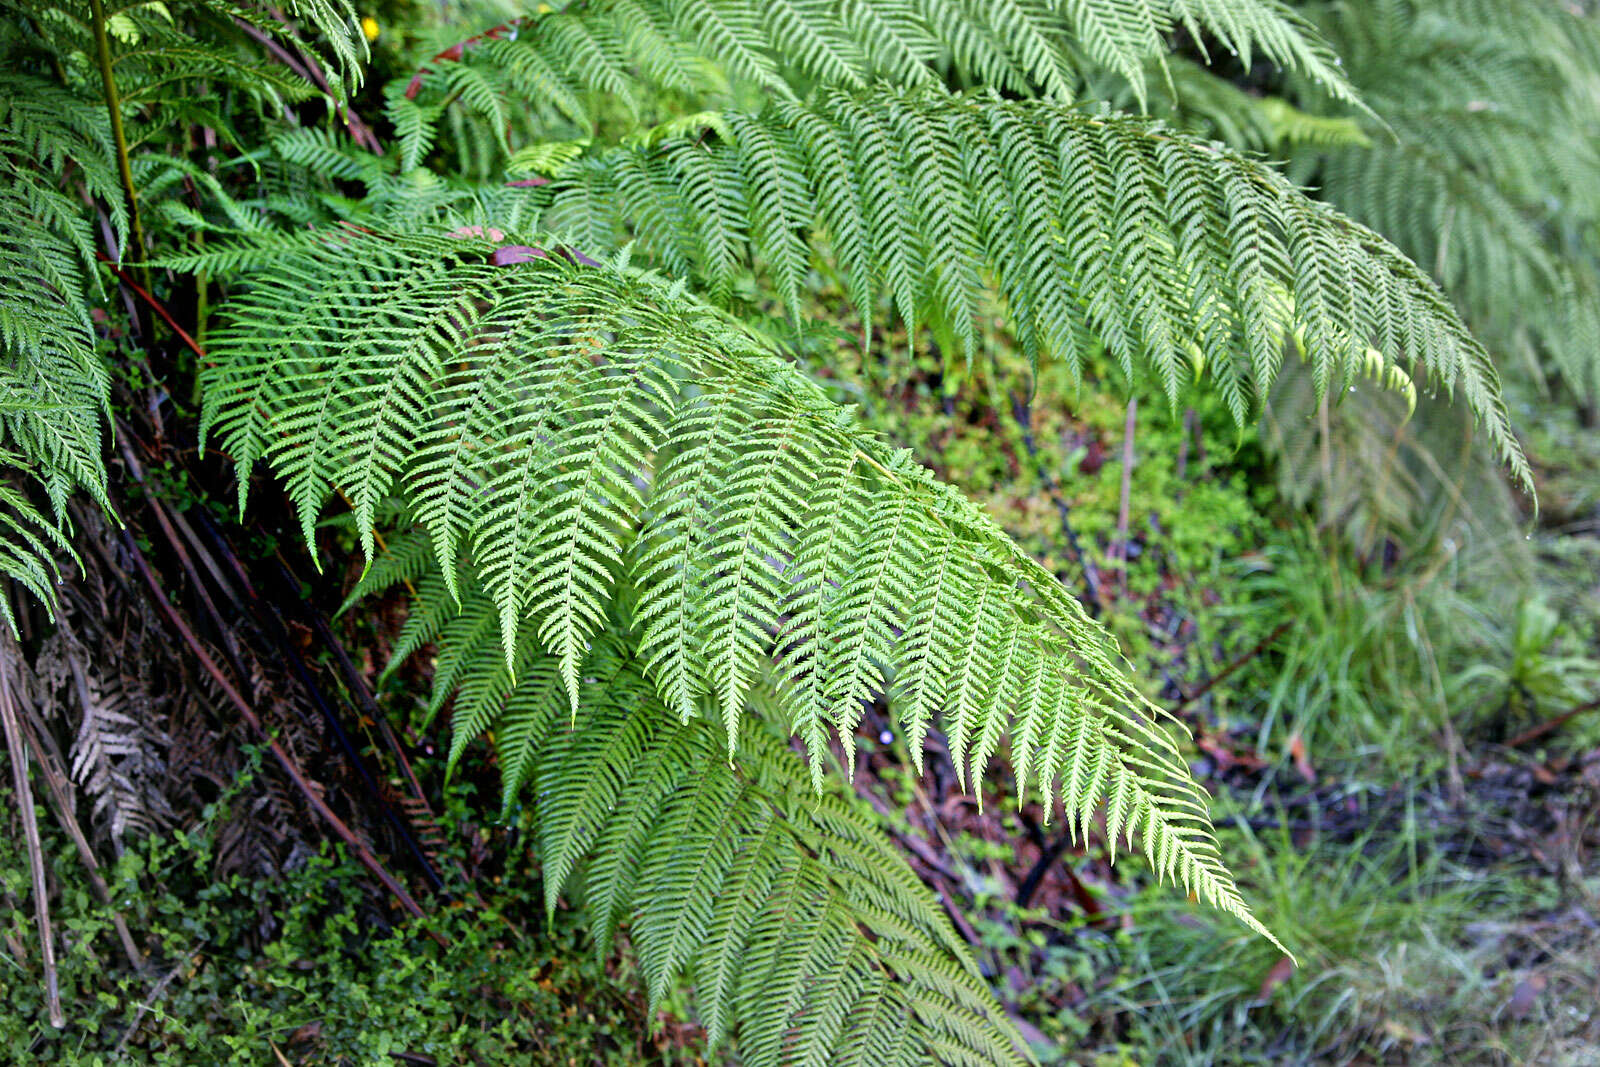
<point x="557" y="62"/>
<point x="560" y="426"/>
<point x="1094" y="229"/>
<point x="54" y="390"/>
<point x="156" y="49"/>
<point x="784" y="908"/>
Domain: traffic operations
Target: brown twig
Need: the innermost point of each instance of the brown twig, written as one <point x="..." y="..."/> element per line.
<point x="178" y="547"/>
<point x="1022" y="414"/>
<point x="30" y="833"/>
<point x="149" y="1001"/>
<point x="61" y="801"/>
<point x="455" y="52"/>
<point x="155" y="305"/>
<point x="1533" y="733"/>
<point x="307" y="69"/>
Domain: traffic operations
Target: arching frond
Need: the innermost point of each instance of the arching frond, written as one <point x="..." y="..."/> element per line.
<point x="558" y="62"/>
<point x="157" y="50"/>
<point x="806" y="938"/>
<point x="1172" y="252"/>
<point x="560" y="425"/>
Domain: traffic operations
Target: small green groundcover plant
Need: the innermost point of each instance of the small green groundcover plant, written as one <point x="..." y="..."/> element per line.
<point x="324" y="979"/>
<point x="533" y="335"/>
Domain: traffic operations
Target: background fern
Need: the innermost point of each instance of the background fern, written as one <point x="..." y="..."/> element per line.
<point x="1488" y="171"/>
<point x="558" y="61"/>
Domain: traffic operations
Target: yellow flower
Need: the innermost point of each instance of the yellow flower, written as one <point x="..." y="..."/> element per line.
<point x="369" y="27"/>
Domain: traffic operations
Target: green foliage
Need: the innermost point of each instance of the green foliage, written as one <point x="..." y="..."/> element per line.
<point x="58" y="149"/>
<point x="308" y="966"/>
<point x="804" y="934"/>
<point x="565" y="425"/>
<point x="1196" y="995"/>
<point x="647" y="548"/>
<point x="53" y="387"/>
<point x="1163" y="248"/>
<point x="561" y="61"/>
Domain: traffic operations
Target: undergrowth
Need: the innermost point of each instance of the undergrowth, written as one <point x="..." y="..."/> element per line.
<point x="310" y="969"/>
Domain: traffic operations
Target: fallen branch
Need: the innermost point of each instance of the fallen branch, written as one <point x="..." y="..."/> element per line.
<point x="1119" y="547"/>
<point x="155" y="305"/>
<point x="149" y="1002"/>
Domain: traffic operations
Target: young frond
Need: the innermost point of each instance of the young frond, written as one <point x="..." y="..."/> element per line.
<point x="1173" y="252"/>
<point x="556" y="426"/>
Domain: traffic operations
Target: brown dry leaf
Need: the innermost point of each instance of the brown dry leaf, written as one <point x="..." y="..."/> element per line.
<point x="1276" y="977"/>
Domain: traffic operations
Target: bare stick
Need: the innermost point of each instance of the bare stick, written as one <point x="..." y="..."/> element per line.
<point x="149" y="1002"/>
<point x="30" y="833"/>
<point x="61" y="800"/>
<point x="1121" y="547"/>
<point x="1551" y="725"/>
<point x="1210" y="683"/>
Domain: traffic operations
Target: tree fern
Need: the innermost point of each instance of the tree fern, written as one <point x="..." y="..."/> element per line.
<point x="646" y="548"/>
<point x="59" y="152"/>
